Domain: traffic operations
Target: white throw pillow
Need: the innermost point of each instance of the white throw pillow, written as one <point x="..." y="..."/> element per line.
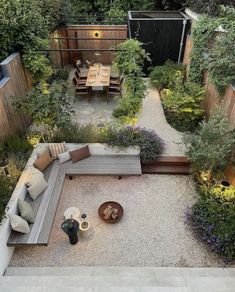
<point x="63" y="157"/>
<point x="37" y="187"/>
<point x="19" y="224"/>
<point x="34" y="174"/>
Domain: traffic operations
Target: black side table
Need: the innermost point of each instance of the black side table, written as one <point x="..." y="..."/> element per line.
<point x="71" y="228"/>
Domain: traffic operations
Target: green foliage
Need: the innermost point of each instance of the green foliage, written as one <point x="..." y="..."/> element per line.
<point x="75" y="133"/>
<point x="116" y="15"/>
<point x="211" y="7"/>
<point x="130" y="58"/>
<point x="214" y="53"/>
<point x="183" y="106"/>
<point x="16" y="150"/>
<point x="201" y="35"/>
<point x="38" y="64"/>
<point x="167" y="75"/>
<point x="47" y="105"/>
<point x="59" y="74"/>
<point x="151" y="145"/>
<point x="129" y="62"/>
<point x="223" y="193"/>
<point x="24" y="28"/>
<point x="221" y="61"/>
<point x="212" y="146"/>
<point x="214" y="222"/>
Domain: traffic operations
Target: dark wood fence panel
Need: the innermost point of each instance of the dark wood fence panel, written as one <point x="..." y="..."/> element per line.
<point x="88" y="40"/>
<point x="14" y="83"/>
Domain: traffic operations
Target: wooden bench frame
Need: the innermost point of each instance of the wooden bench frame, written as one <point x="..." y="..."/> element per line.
<point x="45" y="206"/>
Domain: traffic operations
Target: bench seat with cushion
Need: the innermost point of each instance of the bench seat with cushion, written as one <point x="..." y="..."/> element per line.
<point x="103" y="161"/>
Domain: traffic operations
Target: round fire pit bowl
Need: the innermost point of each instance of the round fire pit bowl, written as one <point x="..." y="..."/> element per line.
<point x="114" y="205"/>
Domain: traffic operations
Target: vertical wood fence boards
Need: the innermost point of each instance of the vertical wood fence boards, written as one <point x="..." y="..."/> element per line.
<point x="14" y="83"/>
<point x="86" y="40"/>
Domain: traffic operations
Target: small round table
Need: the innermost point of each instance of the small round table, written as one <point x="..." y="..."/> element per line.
<point x="72" y="213"/>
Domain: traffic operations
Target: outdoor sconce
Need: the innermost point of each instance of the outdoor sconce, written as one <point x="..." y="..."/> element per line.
<point x="97" y="34"/>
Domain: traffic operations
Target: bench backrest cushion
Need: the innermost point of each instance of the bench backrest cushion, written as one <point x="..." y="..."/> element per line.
<point x="43" y="161"/>
<point x="80" y="154"/>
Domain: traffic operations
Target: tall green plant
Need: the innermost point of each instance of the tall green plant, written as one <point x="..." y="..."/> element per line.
<point x="47" y="105"/>
<point x="212" y="146"/>
<point x="24" y="28"/>
<point x="129" y="62"/>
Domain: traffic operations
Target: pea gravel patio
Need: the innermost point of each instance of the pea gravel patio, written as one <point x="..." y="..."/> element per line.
<point x="151" y="233"/>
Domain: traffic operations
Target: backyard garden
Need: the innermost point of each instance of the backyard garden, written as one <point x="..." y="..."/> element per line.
<point x="177" y="90"/>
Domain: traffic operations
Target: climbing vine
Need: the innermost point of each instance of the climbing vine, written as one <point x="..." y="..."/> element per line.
<point x="213" y="49"/>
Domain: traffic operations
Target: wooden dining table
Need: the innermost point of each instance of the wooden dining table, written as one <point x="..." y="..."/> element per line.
<point x="98" y="76"/>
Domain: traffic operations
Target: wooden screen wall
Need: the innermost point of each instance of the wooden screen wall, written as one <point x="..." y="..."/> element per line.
<point x="87" y="31"/>
<point x="213" y="97"/>
<point x="14" y="83"/>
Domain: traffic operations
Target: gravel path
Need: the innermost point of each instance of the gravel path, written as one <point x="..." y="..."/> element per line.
<point x="152" y="231"/>
<point x="152" y="117"/>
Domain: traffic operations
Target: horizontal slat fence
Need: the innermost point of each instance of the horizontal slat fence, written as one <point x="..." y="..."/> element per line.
<point x="14" y="83"/>
<point x="82" y="37"/>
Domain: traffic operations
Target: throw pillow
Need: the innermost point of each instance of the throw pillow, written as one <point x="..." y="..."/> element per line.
<point x="43" y="161"/>
<point x="63" y="157"/>
<point x="38" y="185"/>
<point x="26" y="211"/>
<point x="56" y="149"/>
<point x="32" y="171"/>
<point x="80" y="154"/>
<point x="19" y="224"/>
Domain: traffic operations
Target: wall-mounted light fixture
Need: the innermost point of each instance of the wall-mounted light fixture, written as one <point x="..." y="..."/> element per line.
<point x="97" y="34"/>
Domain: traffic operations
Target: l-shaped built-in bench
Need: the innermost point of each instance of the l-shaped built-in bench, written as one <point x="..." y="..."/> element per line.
<point x="104" y="160"/>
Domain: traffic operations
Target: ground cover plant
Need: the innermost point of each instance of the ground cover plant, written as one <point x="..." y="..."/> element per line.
<point x="213" y="221"/>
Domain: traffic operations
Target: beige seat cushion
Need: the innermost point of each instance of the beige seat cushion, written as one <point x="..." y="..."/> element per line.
<point x="19" y="224"/>
<point x="80" y="154"/>
<point x="43" y="161"/>
<point x="37" y="185"/>
<point x="26" y="211"/>
<point x="56" y="149"/>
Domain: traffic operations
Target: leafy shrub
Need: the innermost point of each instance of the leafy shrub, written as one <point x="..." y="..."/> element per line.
<point x="214" y="222"/>
<point x="212" y="146"/>
<point x="127" y="107"/>
<point x="50" y="105"/>
<point x="223" y="193"/>
<point x="116" y="15"/>
<point x="183" y="107"/>
<point x="129" y="62"/>
<point x="151" y="145"/>
<point x="167" y="75"/>
<point x="209" y="6"/>
<point x="74" y="133"/>
<point x="7" y="185"/>
<point x="59" y="74"/>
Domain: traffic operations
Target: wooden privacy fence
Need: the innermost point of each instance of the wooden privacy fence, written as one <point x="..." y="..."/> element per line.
<point x="88" y="42"/>
<point x="213" y="98"/>
<point x="14" y="83"/>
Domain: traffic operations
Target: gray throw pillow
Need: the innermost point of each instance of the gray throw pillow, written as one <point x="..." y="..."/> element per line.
<point x="26" y="211"/>
<point x="19" y="224"/>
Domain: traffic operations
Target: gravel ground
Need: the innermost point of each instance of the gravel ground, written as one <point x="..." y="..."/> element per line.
<point x="152" y="231"/>
<point x="152" y="117"/>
